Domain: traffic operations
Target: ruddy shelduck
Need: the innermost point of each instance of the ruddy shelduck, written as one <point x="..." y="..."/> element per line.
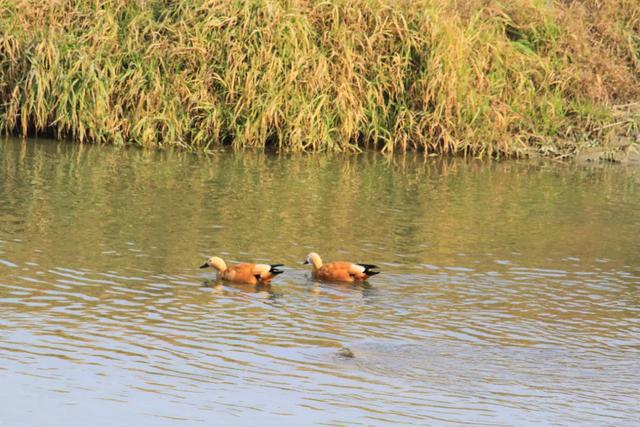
<point x="339" y="271"/>
<point x="247" y="273"/>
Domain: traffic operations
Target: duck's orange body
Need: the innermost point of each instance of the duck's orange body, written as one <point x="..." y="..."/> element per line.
<point x="247" y="273"/>
<point x="339" y="271"/>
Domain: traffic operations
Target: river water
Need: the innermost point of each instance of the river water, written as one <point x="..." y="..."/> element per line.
<point x="509" y="293"/>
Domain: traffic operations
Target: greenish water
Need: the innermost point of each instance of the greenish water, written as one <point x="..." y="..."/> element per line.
<point x="510" y="292"/>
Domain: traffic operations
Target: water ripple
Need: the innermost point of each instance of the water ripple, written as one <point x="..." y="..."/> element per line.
<point x="533" y="319"/>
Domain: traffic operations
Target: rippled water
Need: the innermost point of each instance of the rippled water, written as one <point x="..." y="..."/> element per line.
<point x="510" y="292"/>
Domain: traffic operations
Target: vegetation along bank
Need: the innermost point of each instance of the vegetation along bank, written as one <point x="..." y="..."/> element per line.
<point x="480" y="77"/>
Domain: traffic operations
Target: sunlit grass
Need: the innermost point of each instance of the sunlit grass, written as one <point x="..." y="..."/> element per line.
<point x="445" y="76"/>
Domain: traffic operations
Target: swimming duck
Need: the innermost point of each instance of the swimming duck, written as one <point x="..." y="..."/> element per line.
<point x="339" y="271"/>
<point x="248" y="273"/>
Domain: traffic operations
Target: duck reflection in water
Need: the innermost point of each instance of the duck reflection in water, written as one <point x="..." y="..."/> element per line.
<point x="260" y="290"/>
<point x="341" y="290"/>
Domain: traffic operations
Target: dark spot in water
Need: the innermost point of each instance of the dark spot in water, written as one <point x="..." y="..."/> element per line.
<point x="346" y="352"/>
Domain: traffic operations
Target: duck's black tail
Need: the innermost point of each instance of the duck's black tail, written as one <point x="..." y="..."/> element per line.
<point x="368" y="269"/>
<point x="274" y="269"/>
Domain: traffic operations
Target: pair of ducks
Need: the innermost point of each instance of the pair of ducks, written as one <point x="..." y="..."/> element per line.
<point x="253" y="274"/>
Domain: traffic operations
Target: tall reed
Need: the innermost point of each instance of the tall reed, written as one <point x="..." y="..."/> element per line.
<point x="446" y="76"/>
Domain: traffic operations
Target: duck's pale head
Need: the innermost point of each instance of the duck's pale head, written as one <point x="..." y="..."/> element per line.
<point x="216" y="263"/>
<point x="313" y="259"/>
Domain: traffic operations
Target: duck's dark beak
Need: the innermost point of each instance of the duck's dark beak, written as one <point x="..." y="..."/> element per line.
<point x="305" y="262"/>
<point x="205" y="265"/>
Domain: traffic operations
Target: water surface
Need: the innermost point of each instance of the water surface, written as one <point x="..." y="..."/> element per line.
<point x="510" y="292"/>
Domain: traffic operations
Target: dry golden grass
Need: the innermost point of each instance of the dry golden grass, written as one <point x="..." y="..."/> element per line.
<point x="445" y="76"/>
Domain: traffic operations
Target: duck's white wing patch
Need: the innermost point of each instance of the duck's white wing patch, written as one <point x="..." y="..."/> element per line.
<point x="261" y="269"/>
<point x="356" y="268"/>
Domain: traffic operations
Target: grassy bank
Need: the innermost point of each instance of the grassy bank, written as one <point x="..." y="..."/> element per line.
<point x="445" y="76"/>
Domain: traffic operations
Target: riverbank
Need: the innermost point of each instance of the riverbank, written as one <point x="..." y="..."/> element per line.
<point x="524" y="78"/>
